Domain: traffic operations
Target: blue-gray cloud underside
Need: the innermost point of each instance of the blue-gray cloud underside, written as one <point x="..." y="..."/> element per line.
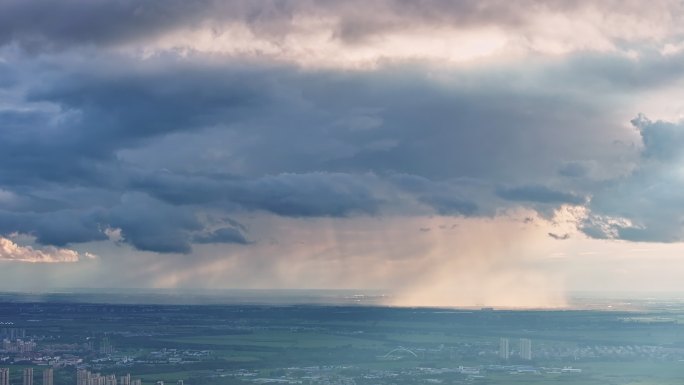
<point x="170" y="148"/>
<point x="646" y="204"/>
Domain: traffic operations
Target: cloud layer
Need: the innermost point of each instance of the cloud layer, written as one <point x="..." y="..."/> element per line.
<point x="644" y="205"/>
<point x="165" y="128"/>
<point x="353" y="33"/>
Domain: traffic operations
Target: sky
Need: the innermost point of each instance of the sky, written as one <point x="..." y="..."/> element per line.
<point x="465" y="153"/>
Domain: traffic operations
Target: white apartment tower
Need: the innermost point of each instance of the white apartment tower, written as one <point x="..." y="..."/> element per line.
<point x="504" y="350"/>
<point x="526" y="349"/>
<point x="47" y="376"/>
<point x="4" y="376"/>
<point x="28" y="376"/>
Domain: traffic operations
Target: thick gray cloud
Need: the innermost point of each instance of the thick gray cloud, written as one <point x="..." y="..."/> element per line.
<point x="95" y="140"/>
<point x="148" y="224"/>
<point x="150" y="146"/>
<point x="57" y="228"/>
<point x="311" y="194"/>
<point x="539" y="194"/>
<point x="58" y="24"/>
<point x="55" y="24"/>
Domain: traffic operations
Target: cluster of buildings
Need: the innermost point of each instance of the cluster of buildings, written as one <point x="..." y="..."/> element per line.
<point x="85" y="377"/>
<point x="27" y="377"/>
<point x="524" y="349"/>
<point x="174" y="356"/>
<point x="18" y="346"/>
<point x="612" y="352"/>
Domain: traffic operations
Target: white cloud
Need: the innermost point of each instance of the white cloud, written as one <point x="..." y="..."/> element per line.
<point x="114" y="234"/>
<point x="12" y="252"/>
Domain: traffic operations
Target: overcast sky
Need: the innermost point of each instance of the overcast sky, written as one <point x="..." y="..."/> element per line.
<point x="454" y="153"/>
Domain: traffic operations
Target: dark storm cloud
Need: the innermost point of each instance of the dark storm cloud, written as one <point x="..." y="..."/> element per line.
<point x="152" y="145"/>
<point x="539" y="194"/>
<point x="149" y="224"/>
<point x="307" y="195"/>
<point x="97" y="112"/>
<point x="92" y="141"/>
<point x="117" y="108"/>
<point x="56" y="228"/>
<point x="144" y="222"/>
<point x="275" y="120"/>
<point x="312" y="194"/>
<point x="296" y="195"/>
<point x="54" y="24"/>
<point x="50" y="25"/>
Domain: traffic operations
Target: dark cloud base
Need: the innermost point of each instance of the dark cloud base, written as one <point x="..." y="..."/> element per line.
<point x="93" y="140"/>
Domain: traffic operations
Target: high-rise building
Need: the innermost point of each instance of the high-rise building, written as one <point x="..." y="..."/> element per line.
<point x="125" y="380"/>
<point x="85" y="377"/>
<point x="179" y="382"/>
<point x="526" y="349"/>
<point x="4" y="376"/>
<point x="82" y="377"/>
<point x="97" y="379"/>
<point x="106" y="346"/>
<point x="28" y="376"/>
<point x="47" y="376"/>
<point x="137" y="381"/>
<point x="504" y="351"/>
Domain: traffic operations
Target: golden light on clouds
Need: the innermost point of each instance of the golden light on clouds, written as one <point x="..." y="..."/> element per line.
<point x="349" y="38"/>
<point x="12" y="252"/>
